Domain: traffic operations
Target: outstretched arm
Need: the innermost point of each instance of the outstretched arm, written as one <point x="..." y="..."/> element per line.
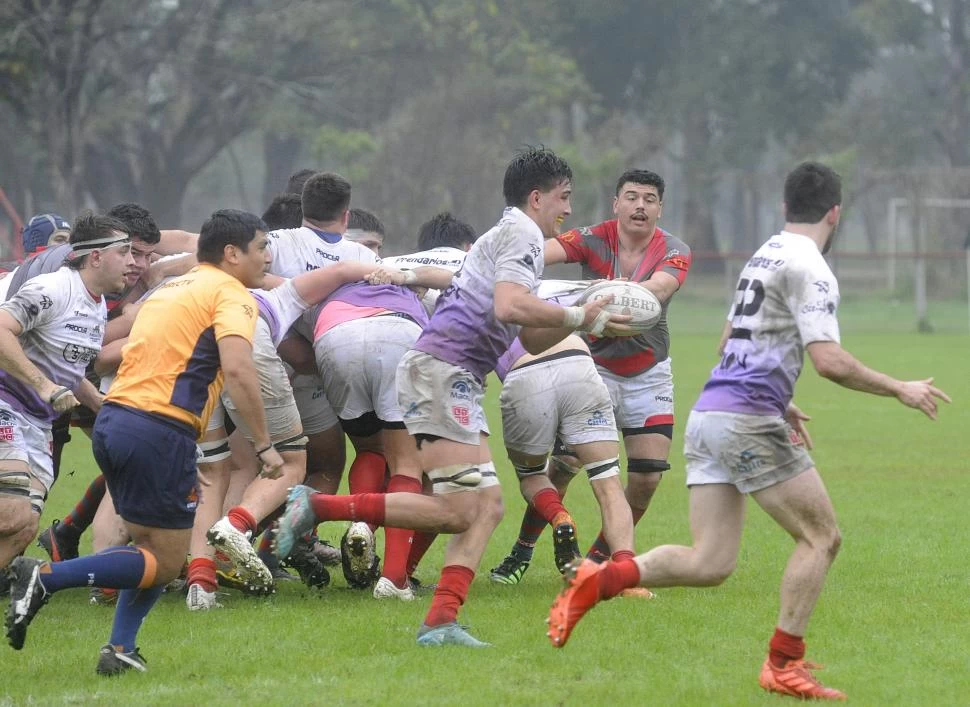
<point x="316" y="285"/>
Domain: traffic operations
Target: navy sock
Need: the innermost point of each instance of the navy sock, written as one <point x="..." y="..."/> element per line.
<point x="122" y="567"/>
<point x="133" y="607"/>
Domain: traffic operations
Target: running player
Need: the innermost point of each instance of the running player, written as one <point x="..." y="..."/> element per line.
<point x="191" y="331"/>
<point x="744" y="436"/>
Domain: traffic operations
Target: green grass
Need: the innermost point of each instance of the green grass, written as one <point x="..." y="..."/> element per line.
<point x="891" y="625"/>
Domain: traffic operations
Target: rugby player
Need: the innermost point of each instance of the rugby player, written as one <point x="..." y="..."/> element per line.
<point x="50" y="329"/>
<point x="191" y="332"/>
<point x="745" y="436"/>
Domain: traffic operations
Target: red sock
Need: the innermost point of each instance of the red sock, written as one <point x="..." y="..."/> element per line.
<point x="202" y="571"/>
<point x="241" y="519"/>
<point x="419" y="546"/>
<point x="450" y="595"/>
<point x="784" y="647"/>
<point x="397" y="541"/>
<point x="618" y="576"/>
<point x="367" y="507"/>
<point x="548" y="504"/>
<point x="367" y="473"/>
<point x="621" y="555"/>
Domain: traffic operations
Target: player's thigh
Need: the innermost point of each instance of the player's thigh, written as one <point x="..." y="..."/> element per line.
<point x="401" y="452"/>
<point x="168" y="545"/>
<point x="801" y="505"/>
<point x="15" y="485"/>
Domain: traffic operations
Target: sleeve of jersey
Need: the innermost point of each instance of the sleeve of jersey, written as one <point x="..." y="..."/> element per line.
<point x="677" y="261"/>
<point x="515" y="259"/>
<point x="235" y="314"/>
<point x="813" y="299"/>
<point x="34" y="304"/>
<point x="574" y="243"/>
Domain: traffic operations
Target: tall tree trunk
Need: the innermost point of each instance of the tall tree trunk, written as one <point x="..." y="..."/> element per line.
<point x="698" y="214"/>
<point x="280" y="153"/>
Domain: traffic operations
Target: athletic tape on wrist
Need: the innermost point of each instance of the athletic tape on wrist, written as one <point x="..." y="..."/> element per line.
<point x="572" y="317"/>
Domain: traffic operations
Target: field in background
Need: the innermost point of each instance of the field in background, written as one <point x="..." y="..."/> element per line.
<point x="891" y="625"/>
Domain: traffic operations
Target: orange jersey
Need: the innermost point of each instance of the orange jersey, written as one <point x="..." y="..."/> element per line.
<point x="170" y="365"/>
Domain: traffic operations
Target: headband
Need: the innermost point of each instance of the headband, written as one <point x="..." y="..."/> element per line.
<point x="117" y="238"/>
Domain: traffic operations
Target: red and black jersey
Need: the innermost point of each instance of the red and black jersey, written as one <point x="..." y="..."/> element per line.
<point x="597" y="249"/>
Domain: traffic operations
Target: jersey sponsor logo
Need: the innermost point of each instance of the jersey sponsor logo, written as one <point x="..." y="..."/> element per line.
<point x="598" y="420"/>
<point x="679" y="262"/>
<point x="77" y="327"/>
<point x="6" y="433"/>
<point x="461" y="390"/>
<point x="821" y="305"/>
<point x="317" y="394"/>
<point x="770" y="264"/>
<point x="748" y="461"/>
<point x="248" y="310"/>
<point x="46" y="302"/>
<point x="822" y="286"/>
<point x="775" y="244"/>
<point x="411" y="411"/>
<point x="79" y="354"/>
<point x="461" y="415"/>
<point x="326" y="256"/>
<point x="664" y="399"/>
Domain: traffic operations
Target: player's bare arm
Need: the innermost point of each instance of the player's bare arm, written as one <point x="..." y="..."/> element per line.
<point x="797" y="419"/>
<point x="663" y="285"/>
<point x="88" y="395"/>
<point x="173" y="267"/>
<point x="109" y="358"/>
<point x="838" y="365"/>
<point x="175" y="241"/>
<point x="242" y="385"/>
<point x="15" y="362"/>
<point x="553" y="253"/>
<point x="425" y="276"/>
<point x="120" y="327"/>
<point x="725" y="335"/>
<point x="316" y="285"/>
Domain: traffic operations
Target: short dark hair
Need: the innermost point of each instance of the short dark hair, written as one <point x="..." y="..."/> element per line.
<point x="285" y="211"/>
<point x="325" y="197"/>
<point x="811" y="189"/>
<point x="294" y="184"/>
<point x="89" y="226"/>
<point x="365" y="220"/>
<point x="227" y="227"/>
<point x="138" y="220"/>
<point x="533" y="168"/>
<point x="644" y="177"/>
<point x="443" y="231"/>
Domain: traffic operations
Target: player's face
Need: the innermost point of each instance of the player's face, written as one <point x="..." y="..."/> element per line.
<point x="637" y="209"/>
<point x="255" y="261"/>
<point x="141" y="253"/>
<point x="371" y="240"/>
<point x="116" y="263"/>
<point x="552" y="207"/>
<point x="58" y="238"/>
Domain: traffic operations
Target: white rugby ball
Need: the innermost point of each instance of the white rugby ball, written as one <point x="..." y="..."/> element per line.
<point x="628" y="298"/>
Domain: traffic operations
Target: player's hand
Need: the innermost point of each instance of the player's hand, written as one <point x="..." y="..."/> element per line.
<point x="272" y="464"/>
<point x="384" y="275"/>
<point x="797" y="419"/>
<point x="921" y="395"/>
<point x="598" y="322"/>
<point x="61" y="399"/>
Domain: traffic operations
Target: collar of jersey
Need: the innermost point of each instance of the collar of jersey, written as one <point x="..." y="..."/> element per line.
<point x="328" y="236"/>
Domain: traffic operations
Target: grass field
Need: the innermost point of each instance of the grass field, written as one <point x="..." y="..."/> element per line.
<point x="891" y="626"/>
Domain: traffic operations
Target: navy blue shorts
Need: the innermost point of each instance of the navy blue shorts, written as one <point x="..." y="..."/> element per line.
<point x="149" y="462"/>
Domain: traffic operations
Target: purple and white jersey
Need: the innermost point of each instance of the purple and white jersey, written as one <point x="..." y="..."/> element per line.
<point x="63" y="327"/>
<point x="786" y="298"/>
<point x="463" y="330"/>
<point x="563" y="292"/>
<point x="279" y="308"/>
<point x="299" y="250"/>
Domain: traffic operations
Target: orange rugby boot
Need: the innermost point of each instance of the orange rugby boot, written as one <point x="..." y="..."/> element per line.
<point x="796" y="679"/>
<point x="580" y="595"/>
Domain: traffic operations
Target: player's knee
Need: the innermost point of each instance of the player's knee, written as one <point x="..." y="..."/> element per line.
<point x="715" y="572"/>
<point x="833" y="543"/>
<point x="493" y="509"/>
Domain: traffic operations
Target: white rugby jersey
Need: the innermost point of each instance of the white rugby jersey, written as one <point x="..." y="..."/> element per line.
<point x="63" y="327"/>
<point x="786" y="298"/>
<point x="445" y="257"/>
<point x="299" y="250"/>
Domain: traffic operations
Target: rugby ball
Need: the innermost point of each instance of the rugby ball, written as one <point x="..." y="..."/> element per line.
<point x="628" y="298"/>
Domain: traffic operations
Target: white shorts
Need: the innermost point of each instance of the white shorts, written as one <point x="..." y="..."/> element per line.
<point x="316" y="413"/>
<point x="24" y="439"/>
<point x="358" y="360"/>
<point x="440" y="399"/>
<point x="750" y="452"/>
<point x="643" y="400"/>
<point x="282" y="416"/>
<point x="564" y="396"/>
